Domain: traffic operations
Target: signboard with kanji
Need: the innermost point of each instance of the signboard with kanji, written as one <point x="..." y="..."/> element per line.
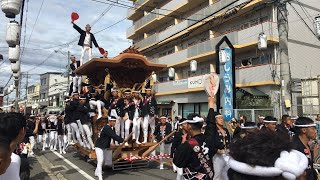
<point x="227" y="98"/>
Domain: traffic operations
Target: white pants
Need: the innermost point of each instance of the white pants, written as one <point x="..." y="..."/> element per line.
<point x="83" y="51"/>
<point x="127" y="123"/>
<point x="83" y="134"/>
<point x="53" y="139"/>
<point x="97" y="104"/>
<point x="88" y="131"/>
<point x="104" y="157"/>
<point x="76" y="129"/>
<point x="164" y="149"/>
<point x="119" y="123"/>
<point x="179" y="172"/>
<point x="146" y="121"/>
<point x="77" y="82"/>
<point x="136" y="128"/>
<point x="220" y="167"/>
<point x="69" y="133"/>
<point x="61" y="143"/>
<point x="32" y="143"/>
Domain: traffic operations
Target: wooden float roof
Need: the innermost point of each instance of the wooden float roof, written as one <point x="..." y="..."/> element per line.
<point x="126" y="69"/>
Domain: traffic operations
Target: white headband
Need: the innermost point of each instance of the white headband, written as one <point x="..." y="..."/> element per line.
<point x="194" y="120"/>
<point x="111" y="119"/>
<point x="266" y="121"/>
<point x="305" y="125"/>
<point x="248" y="127"/>
<point x="219" y="115"/>
<point x="290" y="165"/>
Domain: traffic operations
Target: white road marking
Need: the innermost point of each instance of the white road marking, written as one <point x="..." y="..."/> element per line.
<point x="73" y="166"/>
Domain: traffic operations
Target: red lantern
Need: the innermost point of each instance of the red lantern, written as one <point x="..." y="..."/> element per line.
<point x="74" y="16"/>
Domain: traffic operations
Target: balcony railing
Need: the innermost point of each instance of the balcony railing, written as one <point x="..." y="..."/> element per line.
<point x="172" y="5"/>
<point x="237" y="37"/>
<point x="130" y="31"/>
<point x="130" y="12"/>
<point x="146" y="19"/>
<point x="255" y="74"/>
<point x="147" y="41"/>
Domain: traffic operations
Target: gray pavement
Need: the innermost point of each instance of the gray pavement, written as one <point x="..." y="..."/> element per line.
<point x="51" y="165"/>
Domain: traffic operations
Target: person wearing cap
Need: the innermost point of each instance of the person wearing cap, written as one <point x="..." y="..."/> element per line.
<point x="103" y="143"/>
<point x="177" y="141"/>
<point x="115" y="105"/>
<point x="269" y="123"/>
<point x="85" y="123"/>
<point x="85" y="41"/>
<point x="149" y="111"/>
<point x="306" y="132"/>
<point x="137" y="117"/>
<point x="76" y="79"/>
<point x="74" y="103"/>
<point x="194" y="155"/>
<point x="161" y="131"/>
<point x="286" y="127"/>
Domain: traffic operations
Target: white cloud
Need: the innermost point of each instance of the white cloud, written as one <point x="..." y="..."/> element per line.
<point x="53" y="28"/>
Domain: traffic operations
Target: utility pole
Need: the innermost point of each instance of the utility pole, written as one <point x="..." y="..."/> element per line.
<point x="68" y="73"/>
<point x="26" y="100"/>
<point x="282" y="15"/>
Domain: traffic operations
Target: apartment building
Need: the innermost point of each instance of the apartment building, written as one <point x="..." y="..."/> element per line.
<point x="174" y="32"/>
<point x="53" y="87"/>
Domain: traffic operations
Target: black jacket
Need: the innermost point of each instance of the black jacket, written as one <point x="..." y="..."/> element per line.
<point x="74" y="107"/>
<point x="105" y="137"/>
<point x="73" y="68"/>
<point x="298" y="145"/>
<point x="68" y="114"/>
<point x="83" y="36"/>
<point x="158" y="135"/>
<point x="186" y="158"/>
<point x="149" y="106"/>
<point x="177" y="141"/>
<point x="115" y="104"/>
<point x="60" y="128"/>
<point x="84" y="114"/>
<point x="287" y="132"/>
<point x="129" y="108"/>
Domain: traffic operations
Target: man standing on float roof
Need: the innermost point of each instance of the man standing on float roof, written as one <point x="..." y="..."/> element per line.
<point x="85" y="41"/>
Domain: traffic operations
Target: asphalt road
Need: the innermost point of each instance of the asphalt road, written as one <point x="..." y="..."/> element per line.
<point x="51" y="165"/>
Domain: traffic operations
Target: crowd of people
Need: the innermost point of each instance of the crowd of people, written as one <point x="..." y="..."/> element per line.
<point x="201" y="147"/>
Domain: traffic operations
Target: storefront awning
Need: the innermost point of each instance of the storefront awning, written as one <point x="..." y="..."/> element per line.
<point x="251" y="91"/>
<point x="164" y="102"/>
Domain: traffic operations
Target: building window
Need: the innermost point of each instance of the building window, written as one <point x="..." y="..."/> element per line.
<point x="198" y="108"/>
<point x="43" y="81"/>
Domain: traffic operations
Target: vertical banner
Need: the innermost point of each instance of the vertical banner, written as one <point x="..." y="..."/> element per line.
<point x="225" y="57"/>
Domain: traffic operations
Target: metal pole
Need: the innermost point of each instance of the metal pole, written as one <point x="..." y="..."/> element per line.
<point x="68" y="72"/>
<point x="283" y="55"/>
<point x="26" y="100"/>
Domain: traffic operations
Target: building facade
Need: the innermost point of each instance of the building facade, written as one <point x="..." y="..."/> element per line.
<point x="175" y="32"/>
<point x="33" y="96"/>
<point x="53" y="87"/>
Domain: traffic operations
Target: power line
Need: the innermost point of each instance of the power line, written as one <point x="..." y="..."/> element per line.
<point x="102" y="14"/>
<point x="305" y="11"/>
<point x="303" y="20"/>
<point x="111" y="25"/>
<point x="36" y="66"/>
<point x="8" y="81"/>
<point x="35" y="22"/>
<point x="130" y="7"/>
<point x="25" y="28"/>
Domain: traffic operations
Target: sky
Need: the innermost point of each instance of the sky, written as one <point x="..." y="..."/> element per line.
<point x="54" y="27"/>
